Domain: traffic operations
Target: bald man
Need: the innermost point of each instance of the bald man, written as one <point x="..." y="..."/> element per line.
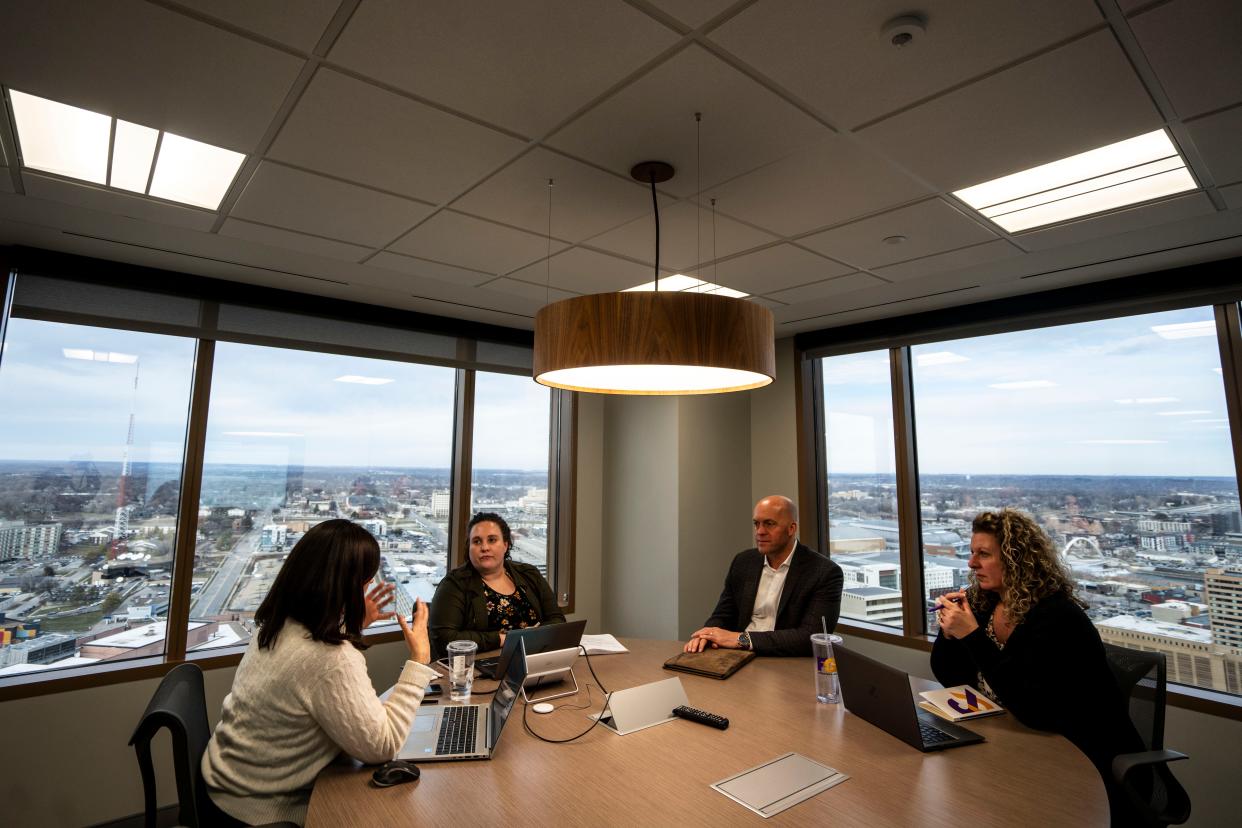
<point x="775" y="594"/>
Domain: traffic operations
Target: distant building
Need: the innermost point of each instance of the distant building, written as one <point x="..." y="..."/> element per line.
<point x="20" y="540"/>
<point x="377" y="527"/>
<point x="844" y="538"/>
<point x="274" y="536"/>
<point x="871" y="574"/>
<point x="1179" y="527"/>
<point x="1175" y="612"/>
<point x="878" y="605"/>
<point x="440" y="502"/>
<point x="1189" y="653"/>
<point x="43" y="649"/>
<point x="1223" y="591"/>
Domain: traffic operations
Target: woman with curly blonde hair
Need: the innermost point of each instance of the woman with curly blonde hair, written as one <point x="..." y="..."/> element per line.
<point x="1020" y="635"/>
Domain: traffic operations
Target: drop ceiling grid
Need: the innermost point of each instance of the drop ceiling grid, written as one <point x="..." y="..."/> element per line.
<point x="610" y="237"/>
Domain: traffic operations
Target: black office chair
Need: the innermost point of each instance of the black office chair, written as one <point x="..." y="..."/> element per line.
<point x="180" y="705"/>
<point x="1156" y="794"/>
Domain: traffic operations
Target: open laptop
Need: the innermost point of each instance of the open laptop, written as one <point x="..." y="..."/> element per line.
<point x="881" y="694"/>
<point x="541" y="639"/>
<point x="465" y="731"/>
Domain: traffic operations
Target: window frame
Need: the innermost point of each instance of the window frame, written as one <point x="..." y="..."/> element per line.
<point x="211" y="294"/>
<point x="1213" y="284"/>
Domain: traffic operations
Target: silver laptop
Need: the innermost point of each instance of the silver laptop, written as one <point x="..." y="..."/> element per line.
<point x="465" y="731"/>
<point x="881" y="694"/>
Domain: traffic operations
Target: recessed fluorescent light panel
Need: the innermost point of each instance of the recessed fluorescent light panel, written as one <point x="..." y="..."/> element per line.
<point x="1185" y="330"/>
<point x="678" y="283"/>
<point x="77" y="143"/>
<point x="357" y="380"/>
<point x="98" y="356"/>
<point x="1118" y="175"/>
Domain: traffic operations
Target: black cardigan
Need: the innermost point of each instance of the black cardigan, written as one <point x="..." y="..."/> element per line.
<point x="1052" y="675"/>
<point x="459" y="610"/>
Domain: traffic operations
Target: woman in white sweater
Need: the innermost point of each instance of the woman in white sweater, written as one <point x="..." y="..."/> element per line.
<point x="301" y="694"/>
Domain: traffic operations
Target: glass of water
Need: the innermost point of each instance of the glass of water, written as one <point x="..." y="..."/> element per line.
<point x="461" y="668"/>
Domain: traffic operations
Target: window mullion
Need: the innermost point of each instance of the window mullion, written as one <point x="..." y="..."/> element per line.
<point x="1229" y="340"/>
<point x="909" y="515"/>
<point x="812" y="465"/>
<point x="463" y="457"/>
<point x="191" y="486"/>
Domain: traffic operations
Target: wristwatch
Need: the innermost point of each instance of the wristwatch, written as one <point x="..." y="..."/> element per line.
<point x="743" y="640"/>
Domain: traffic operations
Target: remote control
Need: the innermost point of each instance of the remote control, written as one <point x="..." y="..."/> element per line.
<point x="701" y="716"/>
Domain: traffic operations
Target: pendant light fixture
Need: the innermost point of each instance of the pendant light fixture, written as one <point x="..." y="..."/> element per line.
<point x="653" y="342"/>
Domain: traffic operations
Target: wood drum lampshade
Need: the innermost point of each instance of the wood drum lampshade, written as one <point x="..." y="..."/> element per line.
<point x="647" y="342"/>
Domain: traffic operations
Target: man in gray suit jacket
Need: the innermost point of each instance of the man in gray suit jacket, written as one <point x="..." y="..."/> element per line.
<point x="775" y="594"/>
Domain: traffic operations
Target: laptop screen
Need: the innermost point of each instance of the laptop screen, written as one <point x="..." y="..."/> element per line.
<point x="540" y="639"/>
<point x="506" y="695"/>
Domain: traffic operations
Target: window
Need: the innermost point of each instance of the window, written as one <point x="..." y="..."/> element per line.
<point x="509" y="472"/>
<point x="1113" y="434"/>
<point x="862" y="485"/>
<point x="295" y="438"/>
<point x="92" y="433"/>
<point x="129" y="414"/>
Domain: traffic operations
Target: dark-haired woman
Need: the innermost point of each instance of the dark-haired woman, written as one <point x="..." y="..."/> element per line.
<point x="1020" y="635"/>
<point x="301" y="694"/>
<point x="490" y="593"/>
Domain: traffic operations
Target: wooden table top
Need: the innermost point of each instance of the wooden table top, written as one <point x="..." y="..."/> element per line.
<point x="660" y="776"/>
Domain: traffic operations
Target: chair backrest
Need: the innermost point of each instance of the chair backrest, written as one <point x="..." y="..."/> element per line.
<point x="180" y="705"/>
<point x="1141" y="678"/>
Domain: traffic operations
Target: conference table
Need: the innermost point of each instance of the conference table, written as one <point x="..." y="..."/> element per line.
<point x="661" y="775"/>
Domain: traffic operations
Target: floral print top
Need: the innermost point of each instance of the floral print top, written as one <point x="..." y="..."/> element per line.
<point x="508" y="612"/>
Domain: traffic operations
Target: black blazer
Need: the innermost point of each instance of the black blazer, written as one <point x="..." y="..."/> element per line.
<point x="812" y="590"/>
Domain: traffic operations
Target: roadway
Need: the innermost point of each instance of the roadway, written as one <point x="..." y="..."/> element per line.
<point x="211" y="600"/>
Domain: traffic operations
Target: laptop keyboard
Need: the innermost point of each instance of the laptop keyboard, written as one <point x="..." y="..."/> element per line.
<point x="457" y="730"/>
<point x="933" y="735"/>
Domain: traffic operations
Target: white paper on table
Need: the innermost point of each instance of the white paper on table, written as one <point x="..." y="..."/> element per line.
<point x="602" y="644"/>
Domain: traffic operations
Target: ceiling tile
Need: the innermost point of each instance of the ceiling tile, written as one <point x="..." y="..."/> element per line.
<point x="148" y="65"/>
<point x="114" y="202"/>
<point x="744" y="125"/>
<point x="310" y="203"/>
<point x="296" y="23"/>
<point x="680" y="247"/>
<point x="770" y="304"/>
<point x="1232" y="196"/>
<point x="539" y="293"/>
<point x="474" y="243"/>
<point x="1076" y="98"/>
<point x="363" y="133"/>
<point x="1193" y="46"/>
<point x="927" y="227"/>
<point x="237" y="229"/>
<point x="776" y="268"/>
<point x="426" y="269"/>
<point x="693" y="13"/>
<point x="826" y="288"/>
<point x="1218" y="138"/>
<point x="992" y="251"/>
<point x="585" y="271"/>
<point x="833" y="55"/>
<point x="1123" y="221"/>
<point x="523" y="66"/>
<point x="825" y="185"/>
<point x="585" y="201"/>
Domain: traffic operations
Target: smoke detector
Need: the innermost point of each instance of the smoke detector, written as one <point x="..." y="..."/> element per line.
<point x="904" y="30"/>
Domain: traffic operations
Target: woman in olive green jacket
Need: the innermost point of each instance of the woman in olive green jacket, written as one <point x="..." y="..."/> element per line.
<point x="490" y="594"/>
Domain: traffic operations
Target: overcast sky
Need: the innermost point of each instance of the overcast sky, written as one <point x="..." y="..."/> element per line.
<point x="1099" y="398"/>
<point x="268" y="405"/>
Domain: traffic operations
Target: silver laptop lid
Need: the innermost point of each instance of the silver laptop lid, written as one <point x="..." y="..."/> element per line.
<point x="506" y="695"/>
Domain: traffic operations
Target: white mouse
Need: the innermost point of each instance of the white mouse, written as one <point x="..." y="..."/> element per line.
<point x="542" y="707"/>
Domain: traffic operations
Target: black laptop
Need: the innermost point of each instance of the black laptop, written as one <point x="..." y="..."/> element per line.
<point x="542" y="639"/>
<point x="881" y="694"/>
